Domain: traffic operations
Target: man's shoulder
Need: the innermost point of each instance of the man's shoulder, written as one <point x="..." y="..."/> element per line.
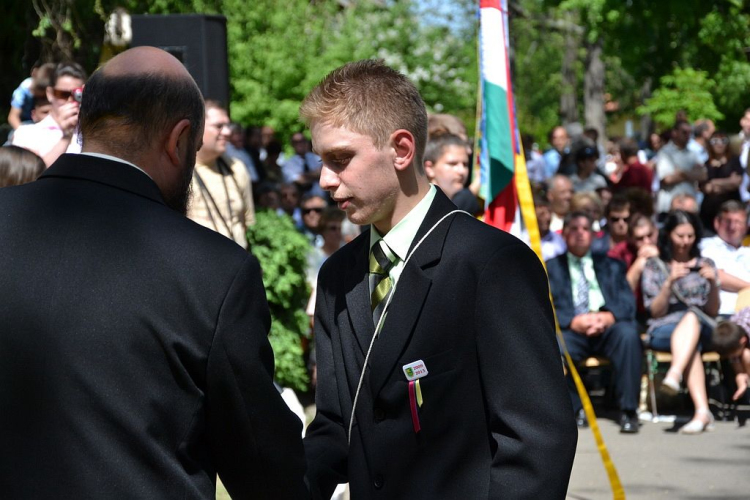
<point x="238" y="168"/>
<point x="713" y="244"/>
<point x="557" y="262"/>
<point x="610" y="263"/>
<point x="476" y="235"/>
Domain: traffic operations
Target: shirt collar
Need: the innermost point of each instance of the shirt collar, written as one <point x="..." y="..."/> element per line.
<point x="114" y="158"/>
<point x="400" y="237"/>
<point x="586" y="257"/>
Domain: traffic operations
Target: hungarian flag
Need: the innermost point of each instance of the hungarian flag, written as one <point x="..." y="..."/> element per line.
<point x="504" y="181"/>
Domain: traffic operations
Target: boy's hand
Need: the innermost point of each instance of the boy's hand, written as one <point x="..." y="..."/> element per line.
<point x="742" y="382"/>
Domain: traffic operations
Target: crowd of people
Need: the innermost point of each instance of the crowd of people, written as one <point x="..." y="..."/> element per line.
<point x="648" y="239"/>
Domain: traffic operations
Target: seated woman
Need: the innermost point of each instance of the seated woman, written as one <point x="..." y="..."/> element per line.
<point x="673" y="283"/>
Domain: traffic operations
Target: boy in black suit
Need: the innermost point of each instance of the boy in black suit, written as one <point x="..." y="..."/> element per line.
<point x="434" y="332"/>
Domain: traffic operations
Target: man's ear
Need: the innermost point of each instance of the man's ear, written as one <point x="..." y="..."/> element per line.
<point x="405" y="148"/>
<point x="177" y="139"/>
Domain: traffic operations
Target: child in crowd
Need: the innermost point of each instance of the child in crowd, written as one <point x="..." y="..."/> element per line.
<point x="446" y="163"/>
<point x="731" y="339"/>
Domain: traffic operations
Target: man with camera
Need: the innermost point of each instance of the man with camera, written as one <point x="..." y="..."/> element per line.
<point x="56" y="134"/>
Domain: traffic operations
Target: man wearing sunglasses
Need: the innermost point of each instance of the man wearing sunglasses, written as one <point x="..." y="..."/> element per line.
<point x="312" y="207"/>
<point x="56" y="134"/>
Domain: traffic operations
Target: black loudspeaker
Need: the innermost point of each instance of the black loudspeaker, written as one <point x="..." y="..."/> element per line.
<point x="199" y="41"/>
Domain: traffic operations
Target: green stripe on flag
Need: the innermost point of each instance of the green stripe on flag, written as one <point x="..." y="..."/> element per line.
<point x="499" y="139"/>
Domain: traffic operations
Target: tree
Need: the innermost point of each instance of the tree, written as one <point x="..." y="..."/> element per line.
<point x="282" y="253"/>
<point x="683" y="90"/>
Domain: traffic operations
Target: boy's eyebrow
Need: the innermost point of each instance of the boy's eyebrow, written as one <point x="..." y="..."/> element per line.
<point x="334" y="151"/>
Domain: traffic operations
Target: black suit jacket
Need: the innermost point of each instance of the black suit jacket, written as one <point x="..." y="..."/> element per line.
<point x="610" y="273"/>
<point x="496" y="420"/>
<point x="134" y="361"/>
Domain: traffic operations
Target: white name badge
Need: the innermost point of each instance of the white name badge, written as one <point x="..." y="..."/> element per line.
<point x="415" y="370"/>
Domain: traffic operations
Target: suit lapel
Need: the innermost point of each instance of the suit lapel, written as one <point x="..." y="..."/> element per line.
<point x="600" y="270"/>
<point x="358" y="294"/>
<point x="411" y="293"/>
<point x="566" y="297"/>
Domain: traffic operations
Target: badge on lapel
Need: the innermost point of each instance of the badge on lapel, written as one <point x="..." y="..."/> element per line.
<point x="413" y="372"/>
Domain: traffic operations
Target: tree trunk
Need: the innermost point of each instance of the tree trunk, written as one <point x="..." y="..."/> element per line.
<point x="647" y="125"/>
<point x="593" y="96"/>
<point x="568" y="94"/>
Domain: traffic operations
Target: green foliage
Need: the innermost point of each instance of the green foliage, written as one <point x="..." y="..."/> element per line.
<point x="685" y="89"/>
<point x="536" y="73"/>
<point x="282" y="251"/>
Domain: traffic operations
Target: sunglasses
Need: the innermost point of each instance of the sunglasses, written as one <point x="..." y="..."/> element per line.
<point x="317" y="210"/>
<point x="333" y="228"/>
<point x="76" y="94"/>
<point x="618" y="219"/>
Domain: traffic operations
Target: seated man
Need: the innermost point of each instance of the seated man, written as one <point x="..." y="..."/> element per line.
<point x="726" y="250"/>
<point x="596" y="311"/>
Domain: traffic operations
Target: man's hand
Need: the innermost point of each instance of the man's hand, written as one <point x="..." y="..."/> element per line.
<point x="582" y="323"/>
<point x="592" y="324"/>
<point x="697" y="173"/>
<point x="648" y="251"/>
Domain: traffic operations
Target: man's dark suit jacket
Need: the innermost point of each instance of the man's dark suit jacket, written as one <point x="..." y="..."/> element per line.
<point x="134" y="360"/>
<point x="496" y="420"/>
<point x="610" y="273"/>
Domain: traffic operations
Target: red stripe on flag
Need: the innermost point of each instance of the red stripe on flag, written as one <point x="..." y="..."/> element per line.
<point x="489" y="4"/>
<point x="502" y="211"/>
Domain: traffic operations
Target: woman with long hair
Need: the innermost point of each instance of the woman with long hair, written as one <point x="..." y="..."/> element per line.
<point x="680" y="291"/>
<point x="724" y="178"/>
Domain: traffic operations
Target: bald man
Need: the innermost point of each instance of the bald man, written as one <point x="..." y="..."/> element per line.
<point x="134" y="360"/>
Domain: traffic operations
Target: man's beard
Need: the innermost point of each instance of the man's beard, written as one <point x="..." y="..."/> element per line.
<point x="178" y="198"/>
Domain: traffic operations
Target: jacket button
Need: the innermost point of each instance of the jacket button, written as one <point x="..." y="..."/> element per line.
<point x="378" y="482"/>
<point x="379" y="415"/>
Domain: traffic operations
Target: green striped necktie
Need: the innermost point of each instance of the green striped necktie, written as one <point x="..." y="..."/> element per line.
<point x="380" y="281"/>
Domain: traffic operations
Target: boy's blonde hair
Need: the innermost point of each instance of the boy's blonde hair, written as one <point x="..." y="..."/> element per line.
<point x="372" y="99"/>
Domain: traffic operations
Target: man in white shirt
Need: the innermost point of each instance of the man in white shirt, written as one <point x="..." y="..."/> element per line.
<point x="679" y="169"/>
<point x="56" y="134"/>
<point x="702" y="132"/>
<point x="726" y="250"/>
